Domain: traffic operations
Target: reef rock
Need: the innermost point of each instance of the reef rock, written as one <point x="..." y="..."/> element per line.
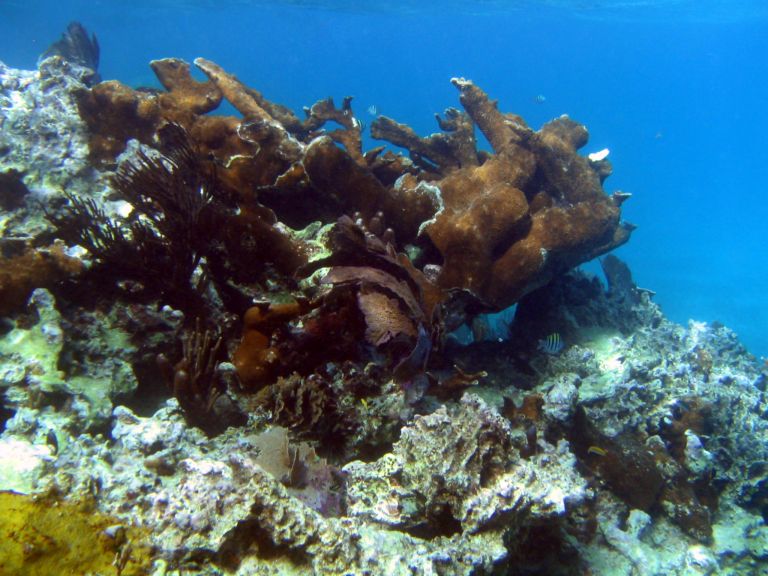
<point x="42" y="135"/>
<point x="459" y="472"/>
<point x="229" y="501"/>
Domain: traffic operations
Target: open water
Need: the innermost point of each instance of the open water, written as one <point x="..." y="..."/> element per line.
<point x="677" y="90"/>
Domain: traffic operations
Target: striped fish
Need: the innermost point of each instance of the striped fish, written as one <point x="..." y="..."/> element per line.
<point x="552" y="344"/>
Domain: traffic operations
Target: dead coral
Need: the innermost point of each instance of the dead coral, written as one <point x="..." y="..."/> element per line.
<point x="689" y="413"/>
<point x="644" y="474"/>
<point x="459" y="471"/>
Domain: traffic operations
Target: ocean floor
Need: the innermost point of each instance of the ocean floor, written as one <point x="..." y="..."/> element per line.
<point x="586" y="434"/>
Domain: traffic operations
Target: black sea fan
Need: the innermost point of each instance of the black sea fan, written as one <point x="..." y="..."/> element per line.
<point x="77" y="47"/>
<point x="161" y="243"/>
<point x="171" y="193"/>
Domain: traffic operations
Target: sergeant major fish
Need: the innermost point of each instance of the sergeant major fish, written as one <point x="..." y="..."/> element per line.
<point x="552" y="344"/>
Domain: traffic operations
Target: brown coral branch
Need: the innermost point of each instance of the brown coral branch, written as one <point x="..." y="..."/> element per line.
<point x="503" y="131"/>
<point x="196" y="97"/>
<point x="233" y="90"/>
<point x="259" y="126"/>
<point x="350" y="137"/>
<point x="439" y="153"/>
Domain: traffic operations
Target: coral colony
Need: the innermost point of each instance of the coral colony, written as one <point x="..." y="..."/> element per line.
<point x="232" y="345"/>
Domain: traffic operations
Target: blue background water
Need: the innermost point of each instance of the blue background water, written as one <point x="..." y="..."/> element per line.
<point x="678" y="90"/>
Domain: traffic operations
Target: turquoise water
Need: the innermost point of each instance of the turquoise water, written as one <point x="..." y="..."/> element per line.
<point x="676" y="90"/>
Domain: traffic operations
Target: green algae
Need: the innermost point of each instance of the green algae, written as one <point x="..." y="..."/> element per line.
<point x="33" y="351"/>
<point x="41" y="537"/>
<point x="34" y="356"/>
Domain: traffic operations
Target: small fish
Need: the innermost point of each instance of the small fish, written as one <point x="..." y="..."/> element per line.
<point x="552" y="344"/>
<point x="372" y="110"/>
<point x="52" y="441"/>
<point x="539" y="98"/>
<point x="597" y="451"/>
<point x="364" y="402"/>
<point x="359" y="124"/>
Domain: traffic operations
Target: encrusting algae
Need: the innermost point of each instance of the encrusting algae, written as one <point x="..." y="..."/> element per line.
<point x="43" y="537"/>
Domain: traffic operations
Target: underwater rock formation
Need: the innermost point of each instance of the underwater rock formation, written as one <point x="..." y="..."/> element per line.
<point x="42" y="136"/>
<point x="41" y="362"/>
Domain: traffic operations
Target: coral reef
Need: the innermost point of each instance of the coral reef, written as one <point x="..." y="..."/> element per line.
<point x="535" y="203"/>
<point x="254" y="347"/>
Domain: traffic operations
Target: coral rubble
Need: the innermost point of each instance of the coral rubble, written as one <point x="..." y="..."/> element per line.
<point x="236" y="340"/>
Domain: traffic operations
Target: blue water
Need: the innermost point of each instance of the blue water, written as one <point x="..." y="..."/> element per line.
<point x="677" y="90"/>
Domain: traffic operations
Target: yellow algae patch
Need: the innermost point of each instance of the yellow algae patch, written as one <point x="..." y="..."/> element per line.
<point x="42" y="536"/>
